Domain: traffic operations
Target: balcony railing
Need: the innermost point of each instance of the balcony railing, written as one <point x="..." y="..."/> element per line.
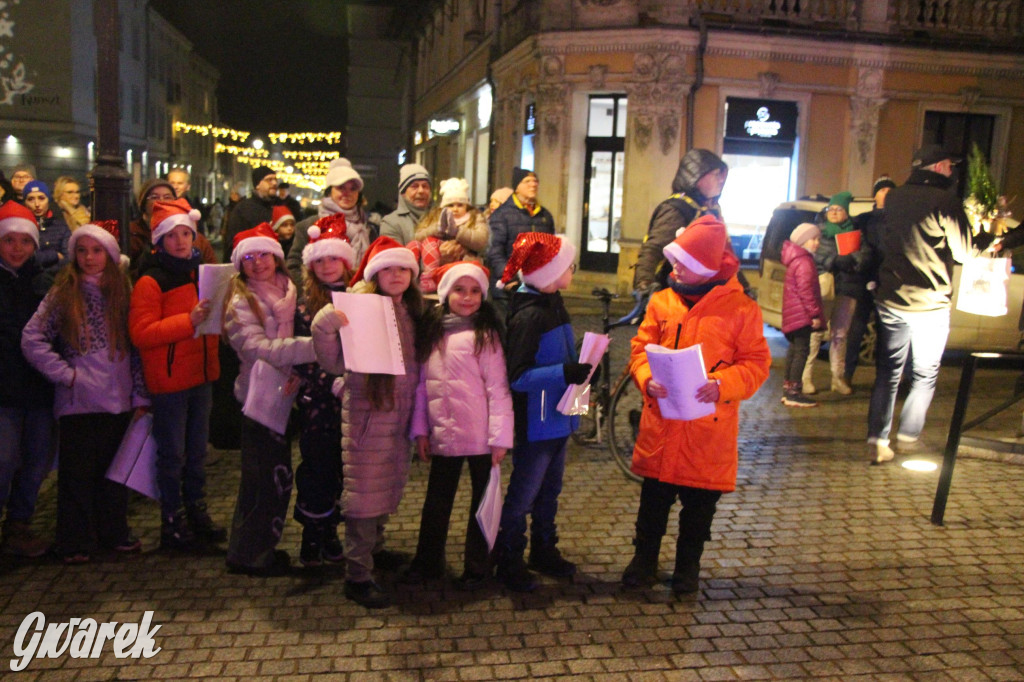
<point x="997" y="19"/>
<point x="787" y="11"/>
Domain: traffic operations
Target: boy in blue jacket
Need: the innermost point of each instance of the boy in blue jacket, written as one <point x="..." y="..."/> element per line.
<point x="542" y="362"/>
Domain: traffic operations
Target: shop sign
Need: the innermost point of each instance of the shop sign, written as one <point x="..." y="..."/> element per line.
<point x="443" y="126"/>
<point x="760" y="119"/>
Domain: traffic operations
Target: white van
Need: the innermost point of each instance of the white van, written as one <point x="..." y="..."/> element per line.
<point x="967" y="332"/>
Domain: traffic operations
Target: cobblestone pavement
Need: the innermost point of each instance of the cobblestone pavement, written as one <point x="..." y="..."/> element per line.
<point x="820" y="567"/>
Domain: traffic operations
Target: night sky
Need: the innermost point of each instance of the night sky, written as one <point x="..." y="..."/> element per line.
<point x="282" y="63"/>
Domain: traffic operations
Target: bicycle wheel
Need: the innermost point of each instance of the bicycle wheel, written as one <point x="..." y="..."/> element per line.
<point x="624" y="422"/>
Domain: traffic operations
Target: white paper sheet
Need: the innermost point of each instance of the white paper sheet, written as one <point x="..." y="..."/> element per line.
<point x="488" y="514"/>
<point x="214" y="282"/>
<point x="576" y="399"/>
<point x="682" y="373"/>
<point x="134" y="464"/>
<point x="370" y="341"/>
<point x="266" y="401"/>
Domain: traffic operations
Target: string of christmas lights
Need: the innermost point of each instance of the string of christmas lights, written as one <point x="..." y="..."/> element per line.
<point x="314" y="155"/>
<point x="208" y="130"/>
<point x="303" y="138"/>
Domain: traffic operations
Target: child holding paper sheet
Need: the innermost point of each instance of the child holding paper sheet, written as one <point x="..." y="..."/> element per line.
<point x="463" y="413"/>
<point x="328" y="259"/>
<point x="78" y="339"/>
<point x="541" y="363"/>
<point x="694" y="461"/>
<point x="376" y="410"/>
<point x="179" y="369"/>
<point x="259" y="321"/>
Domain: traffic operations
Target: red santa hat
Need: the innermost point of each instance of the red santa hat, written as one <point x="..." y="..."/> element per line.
<point x="703" y="248"/>
<point x="103" y="231"/>
<point x="447" y="275"/>
<point x="280" y="215"/>
<point x="383" y="253"/>
<point x="169" y="214"/>
<point x="15" y="217"/>
<point x="260" y="239"/>
<point x="541" y="258"/>
<point x="327" y="237"/>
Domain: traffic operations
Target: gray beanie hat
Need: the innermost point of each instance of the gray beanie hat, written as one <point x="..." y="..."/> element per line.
<point x="410" y="173"/>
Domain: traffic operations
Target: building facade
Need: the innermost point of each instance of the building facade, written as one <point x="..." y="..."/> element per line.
<point x="48" y="106"/>
<point x="602" y="98"/>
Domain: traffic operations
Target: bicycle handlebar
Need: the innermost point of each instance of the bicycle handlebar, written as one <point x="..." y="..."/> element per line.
<point x="636" y="315"/>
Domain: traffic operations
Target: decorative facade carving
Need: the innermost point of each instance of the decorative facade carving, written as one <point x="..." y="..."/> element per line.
<point x="598" y="73"/>
<point x="656" y="106"/>
<point x="869" y="82"/>
<point x="668" y="131"/>
<point x="969" y="97"/>
<point x="552" y="105"/>
<point x="552" y="67"/>
<point x="768" y="80"/>
<point x="643" y="129"/>
<point x="645" y="67"/>
<point x="864" y="124"/>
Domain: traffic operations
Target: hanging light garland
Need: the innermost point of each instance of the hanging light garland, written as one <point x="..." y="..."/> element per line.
<point x="210" y="130"/>
<point x="303" y="138"/>
<point x="314" y="155"/>
<point x="250" y="152"/>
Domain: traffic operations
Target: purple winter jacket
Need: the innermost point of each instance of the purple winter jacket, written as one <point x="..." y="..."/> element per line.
<point x="801" y="294"/>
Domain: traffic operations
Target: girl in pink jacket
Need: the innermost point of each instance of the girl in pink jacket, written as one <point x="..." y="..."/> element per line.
<point x="463" y="412"/>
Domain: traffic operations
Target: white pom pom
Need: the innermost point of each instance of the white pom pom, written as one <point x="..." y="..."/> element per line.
<point x="195" y="215"/>
<point x="313" y="232"/>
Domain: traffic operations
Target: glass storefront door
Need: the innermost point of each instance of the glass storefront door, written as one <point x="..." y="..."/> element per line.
<point x="602" y="190"/>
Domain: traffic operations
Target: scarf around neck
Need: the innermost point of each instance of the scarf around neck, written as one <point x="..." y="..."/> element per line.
<point x="278" y="297"/>
<point x="832" y="229"/>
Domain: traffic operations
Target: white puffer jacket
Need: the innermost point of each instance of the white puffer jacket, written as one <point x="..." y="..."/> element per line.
<point x="463" y="401"/>
<point x="254" y="341"/>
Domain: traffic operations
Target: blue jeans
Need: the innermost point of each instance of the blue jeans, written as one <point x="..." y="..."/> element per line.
<point x="534" y="487"/>
<point x="26" y="456"/>
<point x="923" y="335"/>
<point x="181" y="425"/>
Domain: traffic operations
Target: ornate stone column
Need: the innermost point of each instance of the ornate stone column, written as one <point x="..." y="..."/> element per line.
<point x="865" y="107"/>
<point x="554" y="95"/>
<point x="657" y="105"/>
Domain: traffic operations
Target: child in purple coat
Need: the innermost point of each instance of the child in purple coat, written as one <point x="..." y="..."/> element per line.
<point x="801" y="308"/>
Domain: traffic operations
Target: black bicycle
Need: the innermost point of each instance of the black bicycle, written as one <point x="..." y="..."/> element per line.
<point x="614" y="412"/>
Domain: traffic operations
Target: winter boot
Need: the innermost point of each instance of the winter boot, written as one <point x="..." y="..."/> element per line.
<point x="837" y="361"/>
<point x="175" y="533"/>
<point x="311" y="552"/>
<point x="792" y="395"/>
<point x="546" y="559"/>
<point x="642" y="571"/>
<point x="19" y="540"/>
<point x="686" y="575"/>
<point x="202" y="526"/>
<point x="368" y="594"/>
<point x="514" y="574"/>
<point x="332" y="548"/>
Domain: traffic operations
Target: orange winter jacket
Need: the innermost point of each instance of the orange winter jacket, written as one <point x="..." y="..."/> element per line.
<point x="159" y="325"/>
<point x="701" y="453"/>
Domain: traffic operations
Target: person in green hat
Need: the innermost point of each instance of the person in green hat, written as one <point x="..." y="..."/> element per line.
<point x="849" y="286"/>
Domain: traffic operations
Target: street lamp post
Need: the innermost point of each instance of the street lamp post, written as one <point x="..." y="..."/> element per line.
<point x="111" y="182"/>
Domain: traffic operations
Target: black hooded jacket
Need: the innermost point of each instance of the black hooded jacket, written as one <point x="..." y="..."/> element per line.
<point x="684" y="206"/>
<point x="926" y="231"/>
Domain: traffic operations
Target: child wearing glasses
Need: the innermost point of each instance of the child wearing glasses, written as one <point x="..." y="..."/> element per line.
<point x="179" y="369"/>
<point x="259" y="322"/>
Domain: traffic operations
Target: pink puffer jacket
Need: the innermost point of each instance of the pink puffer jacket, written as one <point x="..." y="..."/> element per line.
<point x="801" y="294"/>
<point x="463" y="401"/>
